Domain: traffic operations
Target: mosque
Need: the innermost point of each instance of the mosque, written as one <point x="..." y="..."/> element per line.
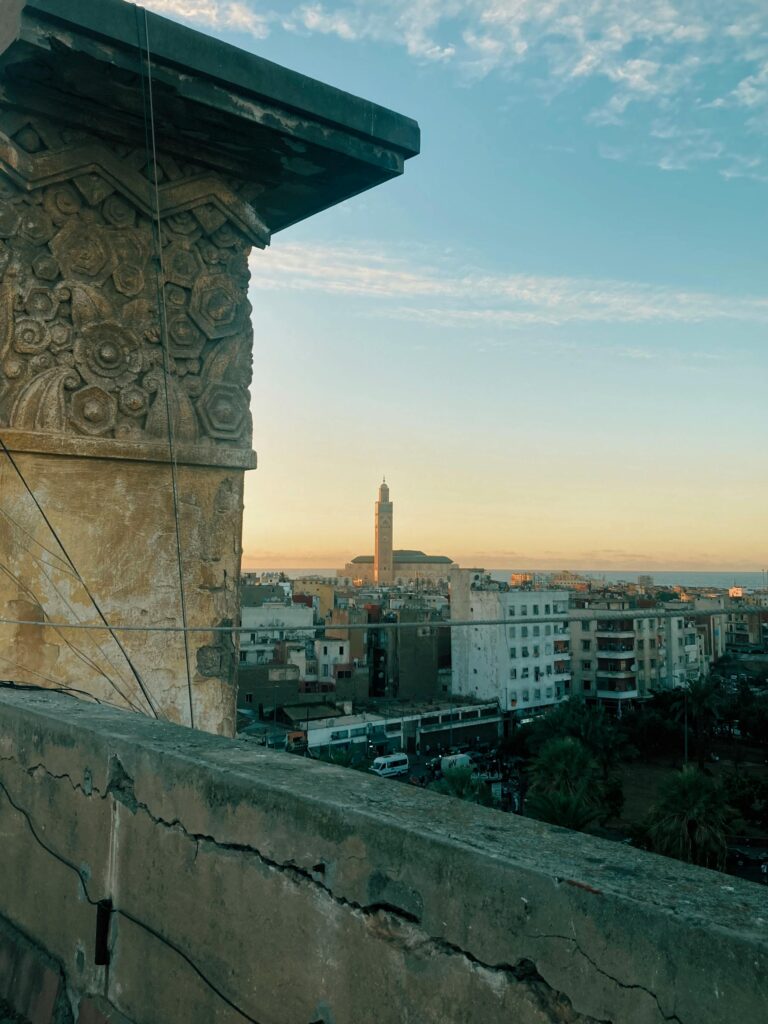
<point x="390" y="567"/>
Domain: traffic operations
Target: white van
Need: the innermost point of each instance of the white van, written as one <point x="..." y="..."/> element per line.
<point x="391" y="764"/>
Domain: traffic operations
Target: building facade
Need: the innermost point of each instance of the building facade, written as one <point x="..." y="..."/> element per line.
<point x="523" y="664"/>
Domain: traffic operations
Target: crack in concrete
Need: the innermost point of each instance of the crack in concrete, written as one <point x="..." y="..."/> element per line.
<point x="673" y="1018"/>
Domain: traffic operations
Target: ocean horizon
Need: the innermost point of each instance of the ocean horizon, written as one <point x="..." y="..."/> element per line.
<point x="721" y="580"/>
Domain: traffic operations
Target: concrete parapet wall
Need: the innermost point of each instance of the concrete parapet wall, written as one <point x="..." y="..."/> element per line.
<point x="254" y="886"/>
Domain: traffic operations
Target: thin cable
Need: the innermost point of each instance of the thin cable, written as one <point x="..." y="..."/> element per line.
<point x="436" y="623"/>
<point x="164" y="341"/>
<point x="85" y="658"/>
<point x="66" y="690"/>
<point x="80" y="579"/>
<point x="61" y="568"/>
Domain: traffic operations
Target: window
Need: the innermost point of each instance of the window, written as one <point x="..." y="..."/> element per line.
<point x="513" y="652"/>
<point x="652" y="643"/>
<point x="525" y="673"/>
<point x="535" y="609"/>
<point x="653" y="663"/>
<point x="243" y="657"/>
<point x="526" y="694"/>
<point x="523" y="609"/>
<point x="513" y="673"/>
<point x="537" y="673"/>
<point x="249" y="698"/>
<point x="511" y="613"/>
<point x="526" y="653"/>
<point x="253" y="638"/>
<point x="547" y="631"/>
<point x="326" y="670"/>
<point x="549" y="670"/>
<point x="587" y="685"/>
<point x="586" y="666"/>
<point x="341" y="650"/>
<point x="547" y="648"/>
<point x="325" y="650"/>
<point x="536" y="651"/>
<point x="585" y="626"/>
<point x="547" y="609"/>
<point x="537" y="694"/>
<point x="641" y="644"/>
<point x="586" y="644"/>
<point x="524" y="631"/>
<point x="512" y="632"/>
<point x="548" y="693"/>
<point x="537" y="630"/>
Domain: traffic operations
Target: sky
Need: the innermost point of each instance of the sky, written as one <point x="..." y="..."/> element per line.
<point x="550" y="332"/>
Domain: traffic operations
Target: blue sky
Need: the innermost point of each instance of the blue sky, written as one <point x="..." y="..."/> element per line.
<point x="550" y="333"/>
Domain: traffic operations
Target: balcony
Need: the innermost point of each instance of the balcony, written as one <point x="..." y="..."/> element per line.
<point x="614" y="647"/>
<point x="615" y="628"/>
<point x="619" y="695"/>
<point x="616" y="682"/>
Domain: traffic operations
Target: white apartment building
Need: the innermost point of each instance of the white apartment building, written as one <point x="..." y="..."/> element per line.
<point x="332" y="657"/>
<point x="523" y="664"/>
<point x="263" y="625"/>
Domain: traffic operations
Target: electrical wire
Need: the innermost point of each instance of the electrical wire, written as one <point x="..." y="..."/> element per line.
<point x="435" y="623"/>
<point x="150" y="135"/>
<point x="85" y="658"/>
<point x="80" y="579"/>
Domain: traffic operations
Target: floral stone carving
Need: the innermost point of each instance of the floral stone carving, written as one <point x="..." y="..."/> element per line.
<point x="109" y="322"/>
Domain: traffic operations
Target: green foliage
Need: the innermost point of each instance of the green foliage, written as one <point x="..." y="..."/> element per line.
<point x="602" y="735"/>
<point x="690" y="820"/>
<point x="701" y="699"/>
<point x="463" y="784"/>
<point x="567" y="785"/>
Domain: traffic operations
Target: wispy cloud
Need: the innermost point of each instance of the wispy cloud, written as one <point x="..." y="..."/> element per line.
<point x="657" y="57"/>
<point x="441" y="293"/>
<point x="232" y="15"/>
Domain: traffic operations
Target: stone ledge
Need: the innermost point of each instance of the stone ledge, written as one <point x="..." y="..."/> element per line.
<point x="250" y="885"/>
<point x="219" y="455"/>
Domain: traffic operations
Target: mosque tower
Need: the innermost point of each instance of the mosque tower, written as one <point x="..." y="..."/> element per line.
<point x="383" y="563"/>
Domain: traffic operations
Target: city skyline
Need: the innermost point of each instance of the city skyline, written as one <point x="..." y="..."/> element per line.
<point x="550" y="333"/>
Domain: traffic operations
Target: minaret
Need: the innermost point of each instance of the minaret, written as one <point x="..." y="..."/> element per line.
<point x="383" y="563"/>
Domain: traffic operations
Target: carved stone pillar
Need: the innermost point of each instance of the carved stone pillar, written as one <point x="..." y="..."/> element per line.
<point x="133" y="185"/>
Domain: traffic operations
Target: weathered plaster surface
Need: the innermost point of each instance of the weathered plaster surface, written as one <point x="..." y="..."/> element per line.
<point x="255" y="886"/>
<point x="117" y="524"/>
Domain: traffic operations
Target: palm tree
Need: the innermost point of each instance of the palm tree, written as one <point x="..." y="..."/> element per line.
<point x="690" y="820"/>
<point x="566" y="785"/>
<point x="700" y="699"/>
<point x="463" y="783"/>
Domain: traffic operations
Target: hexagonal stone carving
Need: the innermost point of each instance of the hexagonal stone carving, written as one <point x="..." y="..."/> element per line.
<point x="181" y="265"/>
<point x="82" y="251"/>
<point x="35" y="225"/>
<point x="41" y="303"/>
<point x="216" y="307"/>
<point x="46" y="268"/>
<point x="185" y="340"/>
<point x="93" y="411"/>
<point x="223" y="409"/>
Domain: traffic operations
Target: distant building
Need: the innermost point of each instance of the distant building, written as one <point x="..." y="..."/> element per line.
<point x="524" y="665"/>
<point x="390" y="567"/>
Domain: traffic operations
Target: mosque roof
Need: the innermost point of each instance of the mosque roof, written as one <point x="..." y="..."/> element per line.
<point x="406" y="557"/>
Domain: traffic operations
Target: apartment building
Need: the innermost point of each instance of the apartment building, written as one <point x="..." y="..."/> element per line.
<point x="523" y="663"/>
